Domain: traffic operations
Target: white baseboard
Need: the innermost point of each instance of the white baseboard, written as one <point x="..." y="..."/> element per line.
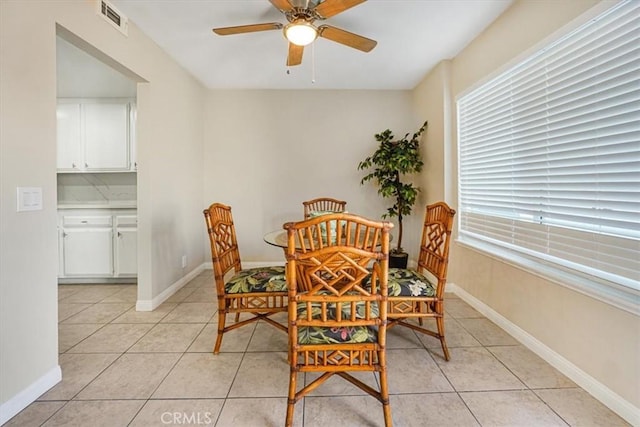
<point x="150" y="305"/>
<point x="27" y="396"/>
<point x="98" y="280"/>
<point x="592" y="386"/>
<point x="146" y="305"/>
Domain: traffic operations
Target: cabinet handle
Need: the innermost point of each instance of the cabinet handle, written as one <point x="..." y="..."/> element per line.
<point x="73" y="165"/>
<point x="64" y="234"/>
<point x="119" y="234"/>
<point x="86" y="165"/>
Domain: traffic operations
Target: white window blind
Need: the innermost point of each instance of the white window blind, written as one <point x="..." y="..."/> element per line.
<point x="549" y="153"/>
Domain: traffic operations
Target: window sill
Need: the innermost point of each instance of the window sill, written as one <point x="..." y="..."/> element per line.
<point x="622" y="297"/>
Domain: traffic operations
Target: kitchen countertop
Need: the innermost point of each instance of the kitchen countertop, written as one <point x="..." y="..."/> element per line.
<point x="118" y="204"/>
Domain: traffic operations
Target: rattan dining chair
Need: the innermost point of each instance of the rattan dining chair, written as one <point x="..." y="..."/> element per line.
<point x="323" y="204"/>
<point x="419" y="294"/>
<point x="336" y="325"/>
<point x="260" y="291"/>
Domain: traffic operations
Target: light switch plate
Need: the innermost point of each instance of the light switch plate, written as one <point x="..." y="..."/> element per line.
<point x="29" y="199"/>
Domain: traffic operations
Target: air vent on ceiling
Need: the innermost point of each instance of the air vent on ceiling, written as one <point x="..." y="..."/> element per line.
<point x="113" y="16"/>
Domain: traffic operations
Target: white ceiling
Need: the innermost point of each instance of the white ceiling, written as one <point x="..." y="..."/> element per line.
<point x="412" y="35"/>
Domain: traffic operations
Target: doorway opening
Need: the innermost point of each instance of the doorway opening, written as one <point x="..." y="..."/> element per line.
<point x="96" y="166"/>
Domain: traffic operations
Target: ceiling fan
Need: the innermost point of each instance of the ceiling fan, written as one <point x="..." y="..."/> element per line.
<point x="300" y="30"/>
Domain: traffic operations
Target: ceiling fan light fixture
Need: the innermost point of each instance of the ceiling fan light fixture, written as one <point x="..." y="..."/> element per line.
<point x="300" y="32"/>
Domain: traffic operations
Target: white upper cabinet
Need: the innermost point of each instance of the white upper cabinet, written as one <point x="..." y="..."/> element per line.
<point x="106" y="136"/>
<point x="94" y="137"/>
<point x="69" y="136"/>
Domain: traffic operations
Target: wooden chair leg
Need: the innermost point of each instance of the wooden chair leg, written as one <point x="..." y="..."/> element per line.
<point x="237" y="317"/>
<point x="443" y="342"/>
<point x="384" y="395"/>
<point x="386" y="409"/>
<point x="221" y="322"/>
<point x="417" y="310"/>
<point x="291" y="402"/>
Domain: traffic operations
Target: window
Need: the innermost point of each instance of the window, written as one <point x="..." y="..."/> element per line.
<point x="549" y="158"/>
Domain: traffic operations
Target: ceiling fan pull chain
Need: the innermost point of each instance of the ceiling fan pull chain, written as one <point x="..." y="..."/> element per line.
<point x="313" y="63"/>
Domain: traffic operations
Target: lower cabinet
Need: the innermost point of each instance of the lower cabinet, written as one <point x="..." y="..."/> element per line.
<point x="97" y="243"/>
<point x="126" y="247"/>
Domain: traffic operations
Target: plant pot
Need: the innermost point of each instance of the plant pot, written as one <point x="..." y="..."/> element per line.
<point x="398" y="259"/>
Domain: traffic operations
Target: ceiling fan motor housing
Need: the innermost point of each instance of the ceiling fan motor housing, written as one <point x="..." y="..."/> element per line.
<point x="297" y="14"/>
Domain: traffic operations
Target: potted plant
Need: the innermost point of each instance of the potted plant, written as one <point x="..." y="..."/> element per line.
<point x="390" y="162"/>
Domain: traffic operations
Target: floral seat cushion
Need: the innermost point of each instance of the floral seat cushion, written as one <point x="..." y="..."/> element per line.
<point x="403" y="282"/>
<point x="259" y="279"/>
<point x="410" y="283"/>
<point x="344" y="335"/>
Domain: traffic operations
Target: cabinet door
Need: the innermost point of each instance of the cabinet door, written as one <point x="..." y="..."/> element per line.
<point x="69" y="137"/>
<point x="106" y="136"/>
<point x="88" y="252"/>
<point x="126" y="252"/>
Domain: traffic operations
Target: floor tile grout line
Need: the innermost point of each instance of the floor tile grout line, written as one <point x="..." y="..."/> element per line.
<point x="74" y="397"/>
<point x="236" y="373"/>
<point x="82" y="340"/>
<point x="522" y="381"/>
<point x="453" y="387"/>
<point x="92" y="305"/>
<point x="156" y="388"/>
<point x="549" y="406"/>
<point x="68" y="317"/>
<point x="466" y="405"/>
<point x="100" y="301"/>
<point x="111" y="322"/>
<point x="66" y="402"/>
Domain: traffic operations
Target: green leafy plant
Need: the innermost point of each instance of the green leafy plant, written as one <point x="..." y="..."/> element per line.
<point x="390" y="162"/>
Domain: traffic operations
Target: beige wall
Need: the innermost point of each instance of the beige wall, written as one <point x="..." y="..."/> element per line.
<point x="290" y="146"/>
<point x="599" y="339"/>
<point x="170" y="178"/>
<point x="431" y="100"/>
<point x="28" y="248"/>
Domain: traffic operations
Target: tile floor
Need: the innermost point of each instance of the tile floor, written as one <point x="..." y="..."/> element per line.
<point x="126" y="368"/>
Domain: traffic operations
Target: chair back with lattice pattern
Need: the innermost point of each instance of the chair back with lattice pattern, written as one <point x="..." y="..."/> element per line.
<point x="323" y="204"/>
<point x="330" y="308"/>
<point x="225" y="254"/>
<point x="434" y="246"/>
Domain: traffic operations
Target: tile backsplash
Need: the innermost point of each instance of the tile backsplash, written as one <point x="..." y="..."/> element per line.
<point x="96" y="187"/>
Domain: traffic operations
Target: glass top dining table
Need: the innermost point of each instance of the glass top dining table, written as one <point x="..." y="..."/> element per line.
<point x="277" y="238"/>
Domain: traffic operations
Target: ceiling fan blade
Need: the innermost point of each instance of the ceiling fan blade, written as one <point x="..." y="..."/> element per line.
<point x="346" y="38"/>
<point x="282" y="5"/>
<point x="240" y="29"/>
<point x="330" y="8"/>
<point x="295" y="55"/>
